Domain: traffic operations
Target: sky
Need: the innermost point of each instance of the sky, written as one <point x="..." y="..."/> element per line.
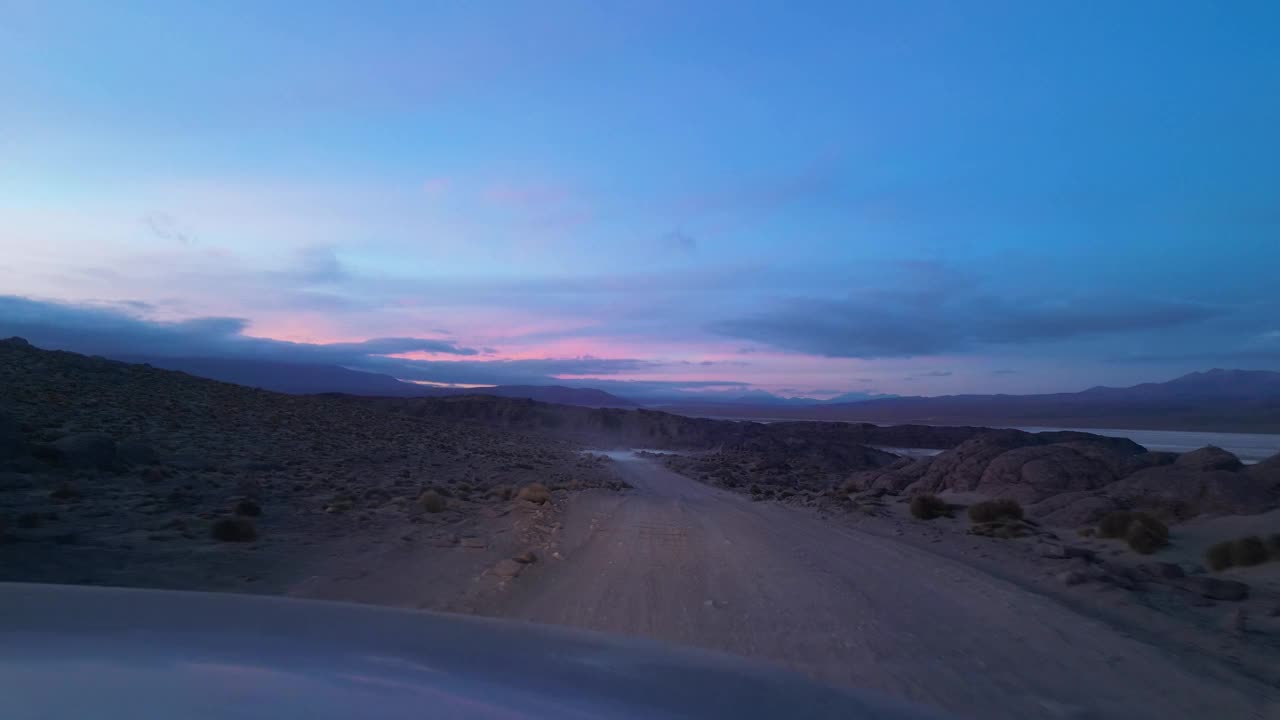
<point x="915" y="198"/>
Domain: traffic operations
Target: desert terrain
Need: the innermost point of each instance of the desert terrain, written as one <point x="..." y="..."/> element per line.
<point x="799" y="544"/>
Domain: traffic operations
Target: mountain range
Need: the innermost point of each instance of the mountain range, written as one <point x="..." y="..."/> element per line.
<point x="1215" y="400"/>
<point x="308" y="378"/>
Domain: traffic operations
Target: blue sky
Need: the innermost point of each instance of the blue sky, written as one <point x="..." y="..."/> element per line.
<point x="915" y="197"/>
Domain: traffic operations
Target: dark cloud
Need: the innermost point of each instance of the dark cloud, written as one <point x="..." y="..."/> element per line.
<point x="106" y="330"/>
<point x="933" y="374"/>
<point x="110" y="331"/>
<point x="881" y="324"/>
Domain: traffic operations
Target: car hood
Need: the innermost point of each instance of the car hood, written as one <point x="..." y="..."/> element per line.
<point x="88" y="652"/>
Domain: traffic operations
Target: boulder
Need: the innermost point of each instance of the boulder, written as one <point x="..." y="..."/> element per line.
<point x="1031" y="474"/>
<point x="86" y="450"/>
<point x="1182" y="492"/>
<point x="1142" y="461"/>
<point x="1267" y="472"/>
<point x="1028" y="467"/>
<point x="1075" y="509"/>
<point x="893" y="479"/>
<point x="508" y="568"/>
<point x="961" y="467"/>
<point x="1209" y="458"/>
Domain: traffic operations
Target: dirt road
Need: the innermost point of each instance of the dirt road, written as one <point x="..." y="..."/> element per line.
<point x="683" y="562"/>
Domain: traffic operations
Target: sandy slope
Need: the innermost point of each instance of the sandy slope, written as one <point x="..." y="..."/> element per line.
<point x="687" y="563"/>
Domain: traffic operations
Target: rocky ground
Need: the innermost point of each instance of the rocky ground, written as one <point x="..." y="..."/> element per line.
<point x="123" y="474"/>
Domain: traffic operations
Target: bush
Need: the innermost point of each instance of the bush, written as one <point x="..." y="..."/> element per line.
<point x="536" y="493"/>
<point x="248" y="508"/>
<point x="1273" y="543"/>
<point x="1115" y="524"/>
<point x="432" y="501"/>
<point x="1241" y="552"/>
<point x="235" y="529"/>
<point x="1151" y="525"/>
<point x="1145" y="538"/>
<point x="1248" y="551"/>
<point x="928" y="507"/>
<point x="993" y="510"/>
<point x="1218" y="556"/>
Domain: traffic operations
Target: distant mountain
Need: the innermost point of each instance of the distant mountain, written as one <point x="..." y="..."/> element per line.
<point x="1216" y="400"/>
<point x="559" y="394"/>
<point x="750" y="397"/>
<point x="307" y="379"/>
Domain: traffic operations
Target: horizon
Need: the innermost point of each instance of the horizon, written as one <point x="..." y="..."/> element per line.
<point x="906" y="200"/>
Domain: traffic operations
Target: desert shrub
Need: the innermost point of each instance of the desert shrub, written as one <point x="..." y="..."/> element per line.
<point x="1150" y="525"/>
<point x="928" y="507"/>
<point x="535" y="493"/>
<point x="233" y="529"/>
<point x="993" y="510"/>
<point x="1086" y="531"/>
<point x="1145" y="538"/>
<point x="1248" y="551"/>
<point x="1241" y="552"/>
<point x="1218" y="556"/>
<point x="1115" y="524"/>
<point x="1273" y="544"/>
<point x="502" y="492"/>
<point x="248" y="508"/>
<point x="432" y="501"/>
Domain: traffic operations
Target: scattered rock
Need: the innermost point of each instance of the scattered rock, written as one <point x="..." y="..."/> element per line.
<point x="474" y="543"/>
<point x="527" y="557"/>
<point x="1162" y="570"/>
<point x="508" y="568"/>
<point x="1217" y="588"/>
<point x="1071" y="577"/>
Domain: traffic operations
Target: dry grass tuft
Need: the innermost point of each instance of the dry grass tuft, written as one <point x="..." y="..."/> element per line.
<point x="234" y="529"/>
<point x="432" y="501"/>
<point x="928" y="507"/>
<point x="993" y="510"/>
<point x="536" y="493"/>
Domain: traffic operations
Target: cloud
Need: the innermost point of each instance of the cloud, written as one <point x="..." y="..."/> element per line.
<point x="107" y="330"/>
<point x="679" y="241"/>
<point x="165" y="227"/>
<point x="909" y="323"/>
<point x="933" y="374"/>
<point x="319" y="264"/>
<point x="1004" y="372"/>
